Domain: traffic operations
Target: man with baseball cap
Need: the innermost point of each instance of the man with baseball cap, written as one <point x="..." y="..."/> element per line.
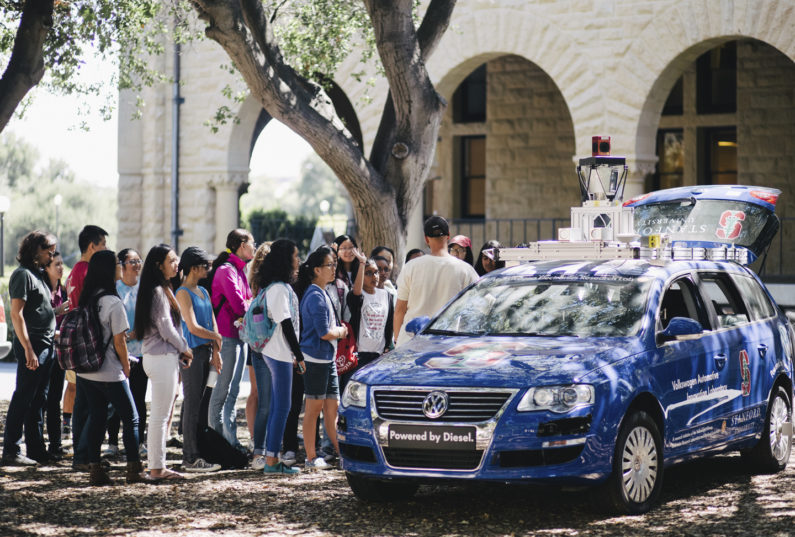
<point x="427" y="283"/>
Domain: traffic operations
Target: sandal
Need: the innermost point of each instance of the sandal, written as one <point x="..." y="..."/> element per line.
<point x="167" y="475"/>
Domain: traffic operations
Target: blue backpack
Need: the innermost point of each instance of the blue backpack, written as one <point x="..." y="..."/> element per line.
<point x="256" y="327"/>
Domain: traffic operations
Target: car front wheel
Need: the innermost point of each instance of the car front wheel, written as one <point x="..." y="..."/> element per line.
<point x="772" y="452"/>
<point x="636" y="481"/>
<point x="380" y="490"/>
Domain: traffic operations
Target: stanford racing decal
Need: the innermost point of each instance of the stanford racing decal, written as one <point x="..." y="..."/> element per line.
<point x="745" y="372"/>
<point x="730" y="225"/>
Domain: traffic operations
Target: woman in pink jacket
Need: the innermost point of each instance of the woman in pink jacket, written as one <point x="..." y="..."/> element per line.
<point x="231" y="296"/>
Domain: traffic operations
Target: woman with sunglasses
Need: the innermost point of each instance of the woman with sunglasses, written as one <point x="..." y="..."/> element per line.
<point x="201" y="332"/>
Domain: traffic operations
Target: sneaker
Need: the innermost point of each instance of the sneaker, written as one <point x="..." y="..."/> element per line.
<point x="19" y="460"/>
<point x="258" y="462"/>
<point x="200" y="466"/>
<point x="328" y="456"/>
<point x="317" y="464"/>
<point x="142" y="452"/>
<point x="279" y="468"/>
<point x="112" y="451"/>
<point x="289" y="458"/>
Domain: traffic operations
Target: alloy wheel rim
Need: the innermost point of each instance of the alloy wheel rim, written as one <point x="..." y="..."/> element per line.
<point x="639" y="465"/>
<point x="779" y="442"/>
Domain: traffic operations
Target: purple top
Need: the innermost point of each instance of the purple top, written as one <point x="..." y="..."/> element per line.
<point x="230" y="282"/>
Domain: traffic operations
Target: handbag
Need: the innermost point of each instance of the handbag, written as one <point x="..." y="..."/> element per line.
<point x="346" y="358"/>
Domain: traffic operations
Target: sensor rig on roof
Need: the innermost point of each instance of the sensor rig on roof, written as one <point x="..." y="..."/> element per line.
<point x="600" y="158"/>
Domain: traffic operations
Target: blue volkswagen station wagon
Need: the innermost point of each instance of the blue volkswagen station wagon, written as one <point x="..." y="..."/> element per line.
<point x="585" y="372"/>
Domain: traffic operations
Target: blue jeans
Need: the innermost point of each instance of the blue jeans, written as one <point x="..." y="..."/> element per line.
<point x="282" y="386"/>
<point x="97" y="396"/>
<point x="221" y="414"/>
<point x="26" y="408"/>
<point x="261" y="419"/>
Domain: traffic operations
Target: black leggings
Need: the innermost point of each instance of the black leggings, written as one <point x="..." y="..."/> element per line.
<point x="290" y="439"/>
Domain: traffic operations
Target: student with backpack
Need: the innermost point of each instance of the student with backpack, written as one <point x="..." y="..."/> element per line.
<point x="108" y="383"/>
<point x="278" y="308"/>
<point x="157" y="323"/>
<point x="201" y="331"/>
<point x="231" y="296"/>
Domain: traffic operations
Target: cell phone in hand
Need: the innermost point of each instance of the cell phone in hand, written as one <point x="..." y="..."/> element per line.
<point x="301" y="367"/>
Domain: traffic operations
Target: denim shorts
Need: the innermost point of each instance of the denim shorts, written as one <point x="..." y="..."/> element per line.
<point x="320" y="381"/>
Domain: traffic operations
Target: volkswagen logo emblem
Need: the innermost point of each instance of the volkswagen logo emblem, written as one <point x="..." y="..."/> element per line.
<point x="435" y="404"/>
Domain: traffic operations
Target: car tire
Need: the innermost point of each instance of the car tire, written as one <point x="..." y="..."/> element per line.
<point x="636" y="481"/>
<point x="771" y="453"/>
<point x="380" y="490"/>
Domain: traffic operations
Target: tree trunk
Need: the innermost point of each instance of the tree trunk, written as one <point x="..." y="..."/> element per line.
<point x="385" y="193"/>
<point x="26" y="65"/>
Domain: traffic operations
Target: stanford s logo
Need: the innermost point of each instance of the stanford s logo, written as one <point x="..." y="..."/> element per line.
<point x="730" y="224"/>
<point x="745" y="372"/>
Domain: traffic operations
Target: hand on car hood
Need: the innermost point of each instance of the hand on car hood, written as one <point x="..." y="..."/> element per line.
<point x="494" y="361"/>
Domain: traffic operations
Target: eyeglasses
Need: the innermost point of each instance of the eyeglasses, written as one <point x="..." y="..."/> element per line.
<point x="370" y="272"/>
<point x="134" y="263"/>
<point x="346" y="248"/>
<point x="329" y="265"/>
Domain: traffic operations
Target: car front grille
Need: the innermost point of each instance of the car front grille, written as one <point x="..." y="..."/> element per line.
<point x="465" y="406"/>
<point x="438" y="459"/>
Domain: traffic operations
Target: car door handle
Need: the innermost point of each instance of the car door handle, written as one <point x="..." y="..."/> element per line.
<point x="762" y="350"/>
<point x="720" y="360"/>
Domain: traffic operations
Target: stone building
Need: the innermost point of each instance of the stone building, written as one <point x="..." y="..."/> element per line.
<point x="690" y="91"/>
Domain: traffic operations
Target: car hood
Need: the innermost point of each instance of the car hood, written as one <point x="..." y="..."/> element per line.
<point x="709" y="216"/>
<point x="432" y="360"/>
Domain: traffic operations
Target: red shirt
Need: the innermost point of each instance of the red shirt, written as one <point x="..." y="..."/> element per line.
<point x="74" y="283"/>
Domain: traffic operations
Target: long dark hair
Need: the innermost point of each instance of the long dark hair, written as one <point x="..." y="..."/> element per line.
<point x="151" y="277"/>
<point x="479" y="263"/>
<point x="234" y="239"/>
<point x="29" y="247"/>
<point x="100" y="278"/>
<point x="306" y="272"/>
<point x="341" y="273"/>
<point x="277" y="265"/>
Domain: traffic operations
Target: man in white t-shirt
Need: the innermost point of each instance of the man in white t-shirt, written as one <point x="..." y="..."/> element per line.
<point x="428" y="282"/>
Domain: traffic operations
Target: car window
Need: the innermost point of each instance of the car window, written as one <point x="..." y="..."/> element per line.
<point x="722" y="293"/>
<point x="756" y="300"/>
<point x="593" y="307"/>
<point x="681" y="300"/>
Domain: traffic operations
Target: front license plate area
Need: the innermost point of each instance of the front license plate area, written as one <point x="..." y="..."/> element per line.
<point x="432" y="437"/>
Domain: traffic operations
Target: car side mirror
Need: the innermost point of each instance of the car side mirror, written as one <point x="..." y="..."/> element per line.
<point x="681" y="326"/>
<point x="416" y="325"/>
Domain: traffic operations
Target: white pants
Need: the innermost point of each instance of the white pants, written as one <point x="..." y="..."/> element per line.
<point x="163" y="372"/>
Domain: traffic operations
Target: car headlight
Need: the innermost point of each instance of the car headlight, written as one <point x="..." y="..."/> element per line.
<point x="355" y="394"/>
<point x="557" y="398"/>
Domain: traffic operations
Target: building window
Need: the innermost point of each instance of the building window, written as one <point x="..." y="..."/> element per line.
<point x="469" y="100"/>
<point x="716" y="80"/>
<point x="674" y="104"/>
<point x="473" y="176"/>
<point x="427" y="199"/>
<point x="720" y="155"/>
<point x="671" y="159"/>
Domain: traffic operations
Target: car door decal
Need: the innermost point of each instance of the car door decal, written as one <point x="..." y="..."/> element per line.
<point x="745" y="372"/>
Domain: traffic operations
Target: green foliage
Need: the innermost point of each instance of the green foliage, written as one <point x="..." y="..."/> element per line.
<point x="32" y="188"/>
<point x="276" y="224"/>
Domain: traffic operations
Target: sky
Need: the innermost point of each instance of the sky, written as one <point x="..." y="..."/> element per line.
<point x="52" y="122"/>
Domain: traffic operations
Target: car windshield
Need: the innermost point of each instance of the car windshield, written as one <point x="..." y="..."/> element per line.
<point x="593" y="307"/>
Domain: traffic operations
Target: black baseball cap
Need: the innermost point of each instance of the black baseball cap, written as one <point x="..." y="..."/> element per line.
<point x="436" y="226"/>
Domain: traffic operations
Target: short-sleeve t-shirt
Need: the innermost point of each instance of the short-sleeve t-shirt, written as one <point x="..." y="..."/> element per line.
<point x="113" y="320"/>
<point x="282" y="303"/>
<point x="39" y="316"/>
<point x="74" y="283"/>
<point x="375" y="310"/>
<point x="427" y="283"/>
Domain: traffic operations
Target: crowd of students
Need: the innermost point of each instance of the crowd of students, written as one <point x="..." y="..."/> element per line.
<point x="168" y="319"/>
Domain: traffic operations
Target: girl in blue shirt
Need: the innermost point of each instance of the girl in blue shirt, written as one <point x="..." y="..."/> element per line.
<point x="201" y="332"/>
<point x="319" y="334"/>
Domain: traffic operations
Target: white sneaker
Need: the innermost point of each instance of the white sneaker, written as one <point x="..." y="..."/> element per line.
<point x="200" y="466"/>
<point x="111" y="451"/>
<point x="258" y="463"/>
<point x="317" y="464"/>
<point x="288" y="459"/>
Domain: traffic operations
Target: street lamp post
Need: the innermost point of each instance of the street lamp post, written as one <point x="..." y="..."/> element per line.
<point x="5" y="203"/>
<point x="57" y="201"/>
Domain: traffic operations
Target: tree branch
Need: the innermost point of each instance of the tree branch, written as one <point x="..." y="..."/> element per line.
<point x="26" y="65"/>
